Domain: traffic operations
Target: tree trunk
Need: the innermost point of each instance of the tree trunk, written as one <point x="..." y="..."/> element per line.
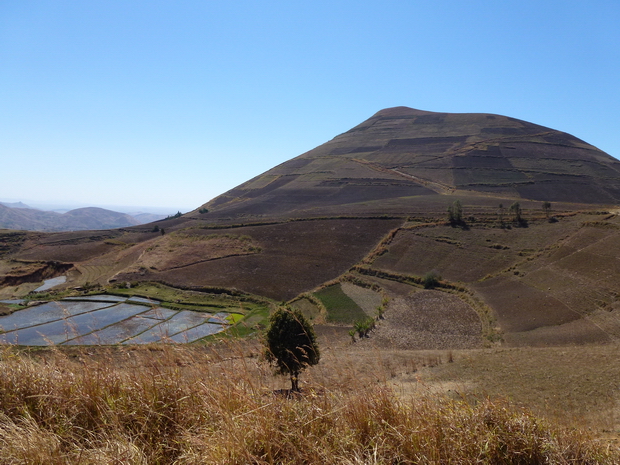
<point x="294" y="382"/>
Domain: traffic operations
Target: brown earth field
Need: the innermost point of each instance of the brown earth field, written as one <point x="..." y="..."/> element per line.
<point x="550" y="283"/>
<point x="274" y="260"/>
<point x="558" y="276"/>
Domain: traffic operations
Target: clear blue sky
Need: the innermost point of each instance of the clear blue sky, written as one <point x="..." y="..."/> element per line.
<point x="171" y="103"/>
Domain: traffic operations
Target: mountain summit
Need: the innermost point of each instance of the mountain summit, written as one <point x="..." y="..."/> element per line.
<point x="402" y="153"/>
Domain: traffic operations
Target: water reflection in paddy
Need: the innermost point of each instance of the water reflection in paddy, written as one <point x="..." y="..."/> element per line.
<point x="99" y="298"/>
<point x="196" y="333"/>
<point x="49" y="283"/>
<point x="46" y="313"/>
<point x="106" y="320"/>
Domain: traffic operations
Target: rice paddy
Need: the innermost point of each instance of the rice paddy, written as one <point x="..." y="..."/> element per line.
<point x="106" y="319"/>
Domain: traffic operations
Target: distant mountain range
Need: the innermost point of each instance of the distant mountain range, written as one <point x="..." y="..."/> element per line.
<point x="20" y="216"/>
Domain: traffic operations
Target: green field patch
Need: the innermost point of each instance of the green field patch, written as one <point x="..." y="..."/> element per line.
<point x="234" y="318"/>
<point x="307" y="308"/>
<point x="251" y="324"/>
<point x="340" y="307"/>
<point x="366" y="298"/>
<point x="182" y="299"/>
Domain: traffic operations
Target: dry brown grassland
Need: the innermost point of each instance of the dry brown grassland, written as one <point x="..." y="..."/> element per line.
<point x="220" y="404"/>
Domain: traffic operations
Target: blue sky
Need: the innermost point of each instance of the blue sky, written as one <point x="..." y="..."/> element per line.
<point x="171" y="103"/>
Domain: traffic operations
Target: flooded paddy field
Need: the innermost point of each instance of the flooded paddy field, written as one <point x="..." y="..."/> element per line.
<point x="107" y="319"/>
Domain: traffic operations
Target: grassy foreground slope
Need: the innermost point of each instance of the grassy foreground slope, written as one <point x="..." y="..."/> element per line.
<point x="188" y="405"/>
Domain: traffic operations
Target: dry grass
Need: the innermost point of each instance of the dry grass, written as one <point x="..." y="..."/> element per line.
<point x="569" y="384"/>
<point x="219" y="405"/>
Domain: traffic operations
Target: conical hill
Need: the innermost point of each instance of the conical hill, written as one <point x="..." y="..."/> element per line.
<point x="401" y="153"/>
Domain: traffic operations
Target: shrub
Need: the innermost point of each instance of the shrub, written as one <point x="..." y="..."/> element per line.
<point x="516" y="211"/>
<point x="176" y="215"/>
<point x="431" y="280"/>
<point x="363" y="327"/>
<point x="455" y="213"/>
<point x="291" y="344"/>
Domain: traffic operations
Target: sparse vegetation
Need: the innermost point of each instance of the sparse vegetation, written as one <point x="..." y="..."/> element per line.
<point x="220" y="404"/>
<point x="186" y="405"/>
<point x="176" y="215"/>
<point x="501" y="212"/>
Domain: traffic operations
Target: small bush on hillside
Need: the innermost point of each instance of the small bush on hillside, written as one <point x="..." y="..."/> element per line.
<point x="517" y="217"/>
<point x="176" y="215"/>
<point x="431" y="280"/>
<point x="363" y="327"/>
<point x="455" y="213"/>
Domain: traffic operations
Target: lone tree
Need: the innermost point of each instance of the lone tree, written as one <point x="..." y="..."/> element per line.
<point x="291" y="344"/>
<point x="546" y="206"/>
<point x="455" y="213"/>
<point x="515" y="208"/>
<point x="500" y="213"/>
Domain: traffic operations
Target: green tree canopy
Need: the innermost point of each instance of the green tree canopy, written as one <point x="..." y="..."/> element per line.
<point x="291" y="344"/>
<point x="455" y="213"/>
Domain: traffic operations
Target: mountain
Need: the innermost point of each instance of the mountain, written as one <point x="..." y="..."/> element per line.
<point x="15" y="204"/>
<point x="74" y="220"/>
<point x="400" y="153"/>
<point x="362" y="219"/>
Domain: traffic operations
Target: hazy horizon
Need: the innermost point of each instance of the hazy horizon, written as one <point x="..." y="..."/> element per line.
<point x="53" y="206"/>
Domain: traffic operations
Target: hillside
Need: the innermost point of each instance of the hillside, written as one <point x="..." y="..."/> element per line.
<point x="359" y="221"/>
<point x="400" y="153"/>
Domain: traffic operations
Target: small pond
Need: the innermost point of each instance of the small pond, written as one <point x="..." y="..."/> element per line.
<point x="49" y="283"/>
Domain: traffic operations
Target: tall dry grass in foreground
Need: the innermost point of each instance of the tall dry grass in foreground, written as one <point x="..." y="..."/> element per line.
<point x="191" y="406"/>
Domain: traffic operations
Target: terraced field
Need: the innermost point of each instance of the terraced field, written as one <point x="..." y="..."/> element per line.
<point x="106" y="319"/>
